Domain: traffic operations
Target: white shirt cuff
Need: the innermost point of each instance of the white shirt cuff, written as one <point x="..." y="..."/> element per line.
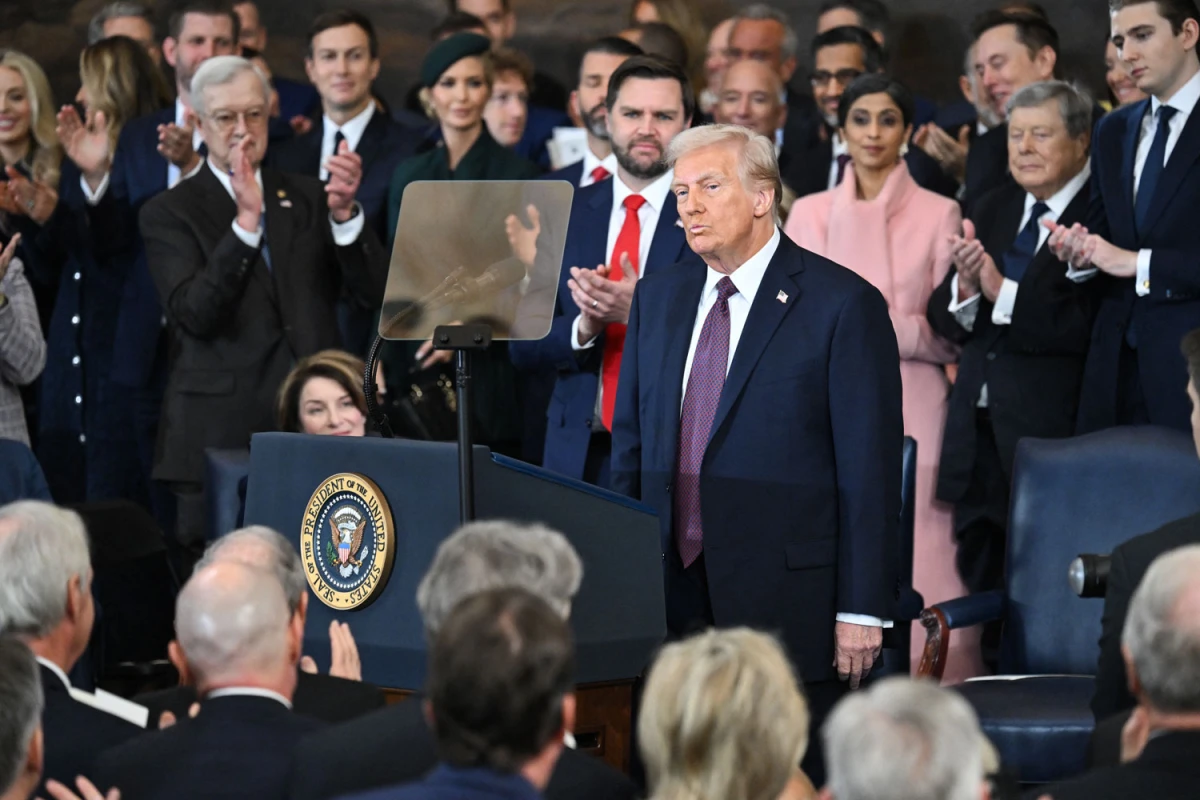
<point x="347" y="233"/>
<point x="1006" y="298"/>
<point x="1080" y="275"/>
<point x="575" y="345"/>
<point x="94" y="198"/>
<point x="1143" y="273"/>
<point x="964" y="311"/>
<point x="248" y="239"/>
<point x="865" y="619"/>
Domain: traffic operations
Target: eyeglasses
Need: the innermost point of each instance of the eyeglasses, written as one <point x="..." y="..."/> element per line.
<point x="843" y="76"/>
<point x="225" y="119"/>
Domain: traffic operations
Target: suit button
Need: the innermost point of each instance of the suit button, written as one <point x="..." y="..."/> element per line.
<point x="667" y="488"/>
<point x="589" y="424"/>
<point x="991" y="356"/>
<point x="664" y="555"/>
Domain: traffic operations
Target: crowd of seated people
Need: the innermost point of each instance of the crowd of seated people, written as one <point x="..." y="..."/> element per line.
<point x="187" y="261"/>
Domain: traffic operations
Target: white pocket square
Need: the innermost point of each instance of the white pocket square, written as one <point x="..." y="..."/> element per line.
<point x="678" y="223"/>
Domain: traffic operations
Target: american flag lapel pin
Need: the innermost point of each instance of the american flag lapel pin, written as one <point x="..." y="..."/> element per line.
<point x="283" y="201"/>
<point x="782" y="296"/>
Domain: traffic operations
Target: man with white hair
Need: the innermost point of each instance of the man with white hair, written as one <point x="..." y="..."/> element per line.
<point x="1161" y="647"/>
<point x="239" y="644"/>
<point x="336" y="697"/>
<point x="395" y="745"/>
<point x="904" y="740"/>
<point x="46" y="600"/>
<point x="762" y="420"/>
<point x="249" y="264"/>
<point x="21" y="745"/>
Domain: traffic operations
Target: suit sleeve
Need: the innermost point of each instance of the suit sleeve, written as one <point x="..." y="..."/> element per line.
<point x="1054" y="315"/>
<point x="1112" y="691"/>
<point x="363" y="264"/>
<point x="22" y="346"/>
<point x="865" y="404"/>
<point x="1173" y="275"/>
<point x="198" y="292"/>
<point x="941" y="319"/>
<point x="915" y="336"/>
<point x="626" y="469"/>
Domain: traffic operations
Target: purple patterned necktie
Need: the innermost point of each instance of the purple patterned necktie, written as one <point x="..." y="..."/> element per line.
<point x="704" y="385"/>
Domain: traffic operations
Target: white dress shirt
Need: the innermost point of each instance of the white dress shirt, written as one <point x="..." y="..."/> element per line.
<point x="174" y="174"/>
<point x="590" y="162"/>
<point x="747" y="278"/>
<point x="353" y="130"/>
<point x="344" y="233"/>
<point x="1184" y="102"/>
<point x="56" y="669"/>
<point x="839" y="149"/>
<point x="964" y="311"/>
<point x="248" y="691"/>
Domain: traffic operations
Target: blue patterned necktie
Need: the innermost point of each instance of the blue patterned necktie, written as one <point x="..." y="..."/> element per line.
<point x="1152" y="169"/>
<point x="1025" y="246"/>
<point x="703" y="395"/>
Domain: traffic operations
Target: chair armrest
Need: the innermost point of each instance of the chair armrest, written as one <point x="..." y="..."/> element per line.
<point x="962" y="612"/>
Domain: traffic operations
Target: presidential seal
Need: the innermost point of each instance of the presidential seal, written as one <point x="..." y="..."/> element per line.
<point x="348" y="541"/>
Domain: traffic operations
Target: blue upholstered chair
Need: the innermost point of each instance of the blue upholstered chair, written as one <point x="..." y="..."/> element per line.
<point x="1069" y="496"/>
<point x="225" y="491"/>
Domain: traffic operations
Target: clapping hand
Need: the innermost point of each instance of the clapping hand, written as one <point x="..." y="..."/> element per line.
<point x="87" y="791"/>
<point x="1081" y="249"/>
<point x="246" y="191"/>
<point x="522" y="240"/>
<point x="601" y="299"/>
<point x="344" y="661"/>
<point x="949" y="152"/>
<point x="86" y="143"/>
<point x="345" y="173"/>
<point x="175" y="143"/>
<point x="27" y="198"/>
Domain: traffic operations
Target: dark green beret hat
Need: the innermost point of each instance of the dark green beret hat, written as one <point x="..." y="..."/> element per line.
<point x="448" y="52"/>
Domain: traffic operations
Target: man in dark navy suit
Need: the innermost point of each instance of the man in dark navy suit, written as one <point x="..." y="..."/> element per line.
<point x="760" y="415"/>
<point x="343" y="61"/>
<point x="600" y="59"/>
<point x="1142" y="232"/>
<point x="626" y="227"/>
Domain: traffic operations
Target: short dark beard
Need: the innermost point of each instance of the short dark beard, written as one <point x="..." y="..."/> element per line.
<point x="592" y="123"/>
<point x="635" y="169"/>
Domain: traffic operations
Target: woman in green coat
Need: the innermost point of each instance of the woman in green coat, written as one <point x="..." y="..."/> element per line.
<point x="457" y="80"/>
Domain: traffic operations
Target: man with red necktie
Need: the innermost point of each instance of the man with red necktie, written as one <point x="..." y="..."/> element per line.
<point x="627" y="227"/>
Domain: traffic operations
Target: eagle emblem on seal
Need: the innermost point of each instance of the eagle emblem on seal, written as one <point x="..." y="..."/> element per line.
<point x="344" y="549"/>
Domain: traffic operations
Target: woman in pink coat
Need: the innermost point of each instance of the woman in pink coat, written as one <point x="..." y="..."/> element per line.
<point x="880" y="224"/>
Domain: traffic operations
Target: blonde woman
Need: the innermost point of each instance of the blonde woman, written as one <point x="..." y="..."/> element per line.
<point x="29" y="149"/>
<point x="723" y="719"/>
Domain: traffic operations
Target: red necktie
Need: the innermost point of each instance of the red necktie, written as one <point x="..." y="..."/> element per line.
<point x="628" y="243"/>
<point x="599" y="174"/>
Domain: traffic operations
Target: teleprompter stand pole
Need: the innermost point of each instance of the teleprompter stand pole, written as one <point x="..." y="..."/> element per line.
<point x="465" y="341"/>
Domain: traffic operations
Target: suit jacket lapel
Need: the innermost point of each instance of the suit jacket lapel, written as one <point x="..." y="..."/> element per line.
<point x="277" y="226"/>
<point x="1006" y="226"/>
<point x="594" y="245"/>
<point x="372" y="138"/>
<point x="217" y="208"/>
<point x="1129" y="157"/>
<point x="1178" y="165"/>
<point x="669" y="239"/>
<point x="766" y="313"/>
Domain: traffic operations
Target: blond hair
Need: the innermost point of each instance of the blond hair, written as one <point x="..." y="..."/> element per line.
<point x="723" y="718"/>
<point x="45" y="153"/>
<point x="757" y="165"/>
<point x="122" y="81"/>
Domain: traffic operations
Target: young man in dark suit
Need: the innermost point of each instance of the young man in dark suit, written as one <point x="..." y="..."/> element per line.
<point x="239" y="644"/>
<point x="1022" y="321"/>
<point x="1141" y="231"/>
<point x="46" y="599"/>
<point x="395" y="745"/>
<point x="248" y="263"/>
<point x="760" y="416"/>
<point x="620" y="230"/>
<point x="343" y="62"/>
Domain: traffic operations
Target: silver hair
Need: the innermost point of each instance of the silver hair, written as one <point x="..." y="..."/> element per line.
<point x="117" y="10"/>
<point x="904" y="740"/>
<point x="231" y="620"/>
<point x="1162" y="637"/>
<point x="499" y="555"/>
<point x="219" y="71"/>
<point x="42" y="548"/>
<point x="758" y="166"/>
<point x="1074" y="104"/>
<point x="264" y="548"/>
<point x="21" y="703"/>
<point x="761" y="11"/>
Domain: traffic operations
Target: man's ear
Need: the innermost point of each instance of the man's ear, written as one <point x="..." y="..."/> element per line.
<point x="179" y="661"/>
<point x="510" y="26"/>
<point x="75" y="598"/>
<point x="569" y="709"/>
<point x="308" y="70"/>
<point x="1131" y="676"/>
<point x="169" y="50"/>
<point x="1045" y="60"/>
<point x="825" y="794"/>
<point x="35" y="759"/>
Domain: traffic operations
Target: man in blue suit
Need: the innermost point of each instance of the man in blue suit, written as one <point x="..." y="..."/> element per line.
<point x="628" y="227"/>
<point x="1142" y="230"/>
<point x="760" y="414"/>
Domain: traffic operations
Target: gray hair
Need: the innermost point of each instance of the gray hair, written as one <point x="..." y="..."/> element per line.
<point x="1074" y="104"/>
<point x="117" y="10"/>
<point x="758" y="166"/>
<point x="231" y="621"/>
<point x="762" y="11"/>
<point x="904" y="740"/>
<point x="220" y="71"/>
<point x="20" y="707"/>
<point x="1162" y="631"/>
<point x="263" y="548"/>
<point x="499" y="555"/>
<point x="42" y="548"/>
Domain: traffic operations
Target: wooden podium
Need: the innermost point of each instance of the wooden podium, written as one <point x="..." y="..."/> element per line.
<point x="618" y="617"/>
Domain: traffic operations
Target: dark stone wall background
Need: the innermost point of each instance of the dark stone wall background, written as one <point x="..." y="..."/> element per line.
<point x="928" y="41"/>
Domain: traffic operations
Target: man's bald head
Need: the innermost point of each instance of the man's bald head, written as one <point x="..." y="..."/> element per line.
<point x="232" y="625"/>
<point x="752" y="97"/>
